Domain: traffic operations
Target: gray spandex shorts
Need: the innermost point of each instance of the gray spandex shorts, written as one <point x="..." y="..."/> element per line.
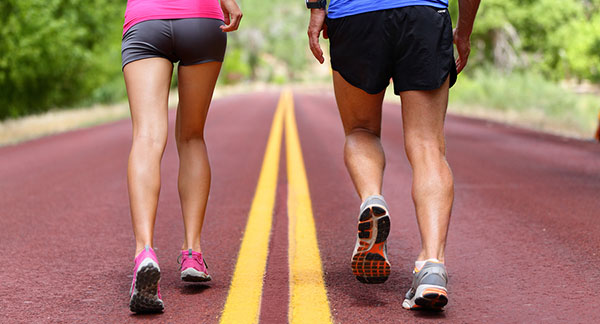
<point x="188" y="41"/>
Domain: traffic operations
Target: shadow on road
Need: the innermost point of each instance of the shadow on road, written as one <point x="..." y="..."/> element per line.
<point x="429" y="314"/>
<point x="193" y="289"/>
<point x="144" y="316"/>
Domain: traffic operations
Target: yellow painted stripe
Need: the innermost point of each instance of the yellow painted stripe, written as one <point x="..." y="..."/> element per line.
<point x="245" y="293"/>
<point x="308" y="296"/>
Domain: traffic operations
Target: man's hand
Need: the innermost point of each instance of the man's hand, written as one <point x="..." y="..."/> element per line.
<point x="463" y="47"/>
<point x="467" y="9"/>
<point x="232" y="14"/>
<point x="315" y="26"/>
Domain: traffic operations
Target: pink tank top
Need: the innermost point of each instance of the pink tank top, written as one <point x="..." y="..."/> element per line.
<point x="142" y="10"/>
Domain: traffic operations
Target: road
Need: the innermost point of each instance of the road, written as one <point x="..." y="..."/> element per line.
<point x="522" y="248"/>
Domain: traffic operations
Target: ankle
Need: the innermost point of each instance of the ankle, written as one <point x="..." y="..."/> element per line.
<point x="140" y="247"/>
<point x="194" y="247"/>
<point x="424" y="256"/>
<point x="364" y="196"/>
<point x="373" y="199"/>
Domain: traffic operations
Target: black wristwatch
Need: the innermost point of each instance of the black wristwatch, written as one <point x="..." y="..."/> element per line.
<point x="319" y="4"/>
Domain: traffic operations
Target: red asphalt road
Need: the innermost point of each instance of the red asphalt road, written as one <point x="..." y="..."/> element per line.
<point x="523" y="243"/>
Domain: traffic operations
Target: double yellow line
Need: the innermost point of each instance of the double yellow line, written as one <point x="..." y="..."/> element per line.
<point x="308" y="296"/>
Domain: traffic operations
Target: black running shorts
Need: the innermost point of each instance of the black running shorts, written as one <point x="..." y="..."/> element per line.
<point x="188" y="41"/>
<point x="411" y="45"/>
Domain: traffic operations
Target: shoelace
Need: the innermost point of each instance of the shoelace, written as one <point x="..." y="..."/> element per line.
<point x="190" y="255"/>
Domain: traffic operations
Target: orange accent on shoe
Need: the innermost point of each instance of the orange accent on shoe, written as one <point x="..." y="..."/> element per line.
<point x="435" y="291"/>
<point x="369" y="263"/>
<point x="377" y="269"/>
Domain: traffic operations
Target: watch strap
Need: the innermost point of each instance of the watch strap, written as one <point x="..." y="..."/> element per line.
<point x="319" y="4"/>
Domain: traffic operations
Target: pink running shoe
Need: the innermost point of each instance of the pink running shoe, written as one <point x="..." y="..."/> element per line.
<point x="193" y="267"/>
<point x="145" y="292"/>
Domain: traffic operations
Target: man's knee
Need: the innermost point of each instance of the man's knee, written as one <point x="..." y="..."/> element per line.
<point x="425" y="150"/>
<point x="363" y="129"/>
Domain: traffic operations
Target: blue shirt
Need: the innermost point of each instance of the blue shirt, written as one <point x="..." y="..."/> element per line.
<point x="342" y="8"/>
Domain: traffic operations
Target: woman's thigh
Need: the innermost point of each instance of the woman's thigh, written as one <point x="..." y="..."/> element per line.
<point x="148" y="82"/>
<point x="196" y="84"/>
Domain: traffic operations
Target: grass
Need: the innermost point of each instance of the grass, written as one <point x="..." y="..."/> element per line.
<point x="523" y="99"/>
<point x="14" y="131"/>
<point x="526" y="99"/>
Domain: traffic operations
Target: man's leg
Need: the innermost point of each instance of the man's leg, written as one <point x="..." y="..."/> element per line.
<point x="363" y="154"/>
<point x="423" y="114"/>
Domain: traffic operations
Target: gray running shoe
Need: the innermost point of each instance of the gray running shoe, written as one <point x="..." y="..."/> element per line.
<point x="369" y="259"/>
<point x="428" y="288"/>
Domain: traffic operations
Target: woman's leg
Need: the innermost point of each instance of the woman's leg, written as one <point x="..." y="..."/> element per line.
<point x="147" y="84"/>
<point x="196" y="85"/>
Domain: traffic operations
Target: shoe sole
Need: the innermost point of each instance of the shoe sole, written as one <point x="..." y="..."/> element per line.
<point x="372" y="266"/>
<point x="430" y="298"/>
<point x="193" y="275"/>
<point x="145" y="293"/>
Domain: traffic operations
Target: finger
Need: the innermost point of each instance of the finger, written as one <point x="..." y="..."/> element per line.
<point x="230" y="27"/>
<point x="325" y="35"/>
<point x="234" y="23"/>
<point x="318" y="56"/>
<point x="459" y="66"/>
<point x="226" y="18"/>
<point x="226" y="28"/>
<point x="461" y="62"/>
<point x="315" y="47"/>
<point x="318" y="52"/>
<point x="227" y="23"/>
<point x="464" y="58"/>
<point x="238" y="21"/>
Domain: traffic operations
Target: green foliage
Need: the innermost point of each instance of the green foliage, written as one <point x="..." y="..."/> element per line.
<point x="559" y="38"/>
<point x="580" y="48"/>
<point x="272" y="39"/>
<point x="234" y="66"/>
<point x="58" y="53"/>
